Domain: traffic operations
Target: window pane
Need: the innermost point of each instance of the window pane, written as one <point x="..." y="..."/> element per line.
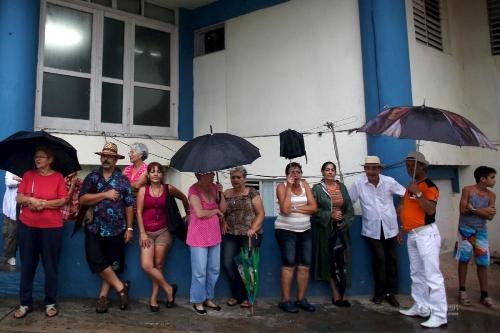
<point x="68" y="39"/>
<point x="111" y="103"/>
<point x="151" y="107"/>
<point x="159" y="13"/>
<point x="112" y="58"/>
<point x="152" y="56"/>
<point x="107" y="3"/>
<point x="131" y="6"/>
<point x="65" y="96"/>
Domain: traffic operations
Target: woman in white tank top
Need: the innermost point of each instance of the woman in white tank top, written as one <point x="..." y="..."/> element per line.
<point x="293" y="233"/>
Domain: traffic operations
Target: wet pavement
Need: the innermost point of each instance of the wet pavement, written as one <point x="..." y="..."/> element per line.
<point x="363" y="316"/>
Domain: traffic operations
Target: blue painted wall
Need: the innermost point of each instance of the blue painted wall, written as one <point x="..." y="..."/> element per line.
<point x="386" y="71"/>
<point x="75" y="279"/>
<point x="18" y="60"/>
<point x="189" y="21"/>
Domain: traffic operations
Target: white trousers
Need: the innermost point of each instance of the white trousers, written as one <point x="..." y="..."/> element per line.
<point x="427" y="288"/>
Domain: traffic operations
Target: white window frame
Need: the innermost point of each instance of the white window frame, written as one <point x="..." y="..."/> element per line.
<point x="94" y="125"/>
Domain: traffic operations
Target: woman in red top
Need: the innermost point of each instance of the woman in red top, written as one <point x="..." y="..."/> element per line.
<point x="155" y="237"/>
<point x="41" y="194"/>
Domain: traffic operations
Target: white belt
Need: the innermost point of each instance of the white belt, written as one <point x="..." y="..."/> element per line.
<point x="418" y="229"/>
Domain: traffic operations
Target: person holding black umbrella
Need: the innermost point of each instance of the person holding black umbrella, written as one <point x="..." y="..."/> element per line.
<point x="334" y="215"/>
<point x="41" y="194"/>
<point x="207" y="206"/>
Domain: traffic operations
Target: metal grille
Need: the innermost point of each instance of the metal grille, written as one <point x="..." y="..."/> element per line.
<point x="427" y="22"/>
<point x="494" y="24"/>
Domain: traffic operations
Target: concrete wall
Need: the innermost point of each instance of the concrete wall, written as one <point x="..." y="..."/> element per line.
<point x="294" y="65"/>
<point x="463" y="79"/>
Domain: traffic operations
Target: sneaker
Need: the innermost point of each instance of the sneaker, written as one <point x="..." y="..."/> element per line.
<point x="391" y="299"/>
<point x="463" y="299"/>
<point x="305" y="305"/>
<point x="434" y="322"/>
<point x="488" y="302"/>
<point x="414" y="311"/>
<point x="12" y="261"/>
<point x="288" y="307"/>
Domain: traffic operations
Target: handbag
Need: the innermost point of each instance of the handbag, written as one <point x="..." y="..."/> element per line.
<point x="175" y="223"/>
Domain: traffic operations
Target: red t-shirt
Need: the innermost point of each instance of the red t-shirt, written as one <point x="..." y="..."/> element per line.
<point x="49" y="187"/>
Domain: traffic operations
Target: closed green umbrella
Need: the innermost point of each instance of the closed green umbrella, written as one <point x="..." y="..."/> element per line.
<point x="248" y="266"/>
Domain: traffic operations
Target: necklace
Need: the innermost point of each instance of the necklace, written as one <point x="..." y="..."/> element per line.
<point x="156" y="201"/>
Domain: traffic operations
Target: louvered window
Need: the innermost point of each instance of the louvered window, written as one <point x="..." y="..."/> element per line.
<point x="494" y="23"/>
<point x="427" y="21"/>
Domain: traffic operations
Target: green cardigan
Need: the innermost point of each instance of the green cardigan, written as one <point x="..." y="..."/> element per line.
<point x="322" y="227"/>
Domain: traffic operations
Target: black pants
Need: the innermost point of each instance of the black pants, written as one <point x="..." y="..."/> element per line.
<point x="231" y="247"/>
<point x="36" y="243"/>
<point x="384" y="264"/>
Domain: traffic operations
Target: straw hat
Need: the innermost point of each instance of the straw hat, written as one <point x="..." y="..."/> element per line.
<point x="110" y="149"/>
<point x="418" y="156"/>
<point x="372" y="160"/>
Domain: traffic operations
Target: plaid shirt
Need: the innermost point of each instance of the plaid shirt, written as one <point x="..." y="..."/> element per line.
<point x="109" y="216"/>
<point x="71" y="208"/>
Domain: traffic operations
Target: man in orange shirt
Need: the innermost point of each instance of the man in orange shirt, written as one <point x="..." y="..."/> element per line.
<point x="417" y="214"/>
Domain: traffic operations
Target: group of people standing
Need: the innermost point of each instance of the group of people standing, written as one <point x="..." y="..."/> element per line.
<point x="312" y="223"/>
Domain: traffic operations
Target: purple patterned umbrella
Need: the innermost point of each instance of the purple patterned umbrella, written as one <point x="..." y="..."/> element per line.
<point x="429" y="124"/>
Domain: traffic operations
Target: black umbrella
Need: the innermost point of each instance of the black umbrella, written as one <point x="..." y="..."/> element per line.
<point x="18" y="151"/>
<point x="429" y="124"/>
<point x="212" y="152"/>
<point x="337" y="247"/>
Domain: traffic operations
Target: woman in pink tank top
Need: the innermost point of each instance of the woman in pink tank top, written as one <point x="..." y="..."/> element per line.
<point x="204" y="237"/>
<point x="155" y="238"/>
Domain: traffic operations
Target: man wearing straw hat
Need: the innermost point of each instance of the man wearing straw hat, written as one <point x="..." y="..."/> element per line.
<point x="380" y="228"/>
<point x="110" y="194"/>
<point x="418" y="217"/>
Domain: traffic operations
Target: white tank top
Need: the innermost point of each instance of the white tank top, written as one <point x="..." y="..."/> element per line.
<point x="296" y="222"/>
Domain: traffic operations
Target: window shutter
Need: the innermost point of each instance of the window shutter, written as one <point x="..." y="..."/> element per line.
<point x="494" y="24"/>
<point x="427" y="22"/>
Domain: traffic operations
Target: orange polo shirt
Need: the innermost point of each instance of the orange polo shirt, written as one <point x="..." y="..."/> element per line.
<point x="412" y="215"/>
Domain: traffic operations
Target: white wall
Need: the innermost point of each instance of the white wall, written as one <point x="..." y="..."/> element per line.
<point x="464" y="79"/>
<point x="295" y="65"/>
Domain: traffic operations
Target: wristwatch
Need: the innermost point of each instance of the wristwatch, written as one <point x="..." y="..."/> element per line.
<point x="419" y="195"/>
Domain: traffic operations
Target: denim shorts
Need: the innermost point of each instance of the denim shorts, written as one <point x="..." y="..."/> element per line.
<point x="295" y="247"/>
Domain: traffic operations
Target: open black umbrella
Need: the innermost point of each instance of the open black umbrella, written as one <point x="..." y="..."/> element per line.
<point x="429" y="124"/>
<point x="18" y="151"/>
<point x="212" y="152"/>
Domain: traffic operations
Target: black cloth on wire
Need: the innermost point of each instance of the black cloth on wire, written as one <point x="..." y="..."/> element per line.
<point x="292" y="144"/>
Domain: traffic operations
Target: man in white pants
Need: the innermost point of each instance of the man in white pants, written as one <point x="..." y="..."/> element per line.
<point x="417" y="213"/>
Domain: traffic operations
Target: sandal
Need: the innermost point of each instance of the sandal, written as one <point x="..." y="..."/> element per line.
<point x="212" y="307"/>
<point x="154" y="308"/>
<point x="232" y="302"/>
<point x="51" y="310"/>
<point x="22" y="311"/>
<point x="123" y="295"/>
<point x="170" y="304"/>
<point x="102" y="305"/>
<point x="463" y="299"/>
<point x="245" y="304"/>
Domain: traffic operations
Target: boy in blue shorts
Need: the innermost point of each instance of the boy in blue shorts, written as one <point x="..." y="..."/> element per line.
<point x="477" y="205"/>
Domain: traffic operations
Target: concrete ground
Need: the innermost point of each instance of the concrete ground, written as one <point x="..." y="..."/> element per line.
<point x="364" y="316"/>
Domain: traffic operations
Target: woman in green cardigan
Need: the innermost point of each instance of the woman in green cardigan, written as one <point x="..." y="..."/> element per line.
<point x="334" y="207"/>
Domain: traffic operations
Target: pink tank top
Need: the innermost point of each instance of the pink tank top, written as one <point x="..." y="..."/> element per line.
<point x="154" y="213"/>
<point x="203" y="232"/>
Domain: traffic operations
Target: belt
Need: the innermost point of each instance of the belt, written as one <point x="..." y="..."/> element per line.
<point x="418" y="229"/>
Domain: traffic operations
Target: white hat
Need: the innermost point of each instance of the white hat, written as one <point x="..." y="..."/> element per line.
<point x="418" y="156"/>
<point x="372" y="160"/>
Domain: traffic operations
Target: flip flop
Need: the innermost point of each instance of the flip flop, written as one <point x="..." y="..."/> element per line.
<point x="23" y="311"/>
<point x="245" y="304"/>
<point x="51" y="310"/>
<point x="232" y="302"/>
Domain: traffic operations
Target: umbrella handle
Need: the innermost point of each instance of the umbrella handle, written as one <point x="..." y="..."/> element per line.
<point x="415" y="168"/>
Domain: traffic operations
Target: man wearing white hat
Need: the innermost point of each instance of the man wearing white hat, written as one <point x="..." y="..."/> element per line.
<point x="418" y="217"/>
<point x="380" y="228"/>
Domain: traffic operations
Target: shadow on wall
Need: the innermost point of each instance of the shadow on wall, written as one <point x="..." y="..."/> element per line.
<point x="75" y="279"/>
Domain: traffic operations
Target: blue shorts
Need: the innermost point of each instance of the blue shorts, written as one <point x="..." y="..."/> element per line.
<point x="471" y="241"/>
<point x="295" y="247"/>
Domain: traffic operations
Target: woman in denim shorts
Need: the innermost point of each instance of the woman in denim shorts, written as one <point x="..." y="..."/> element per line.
<point x="293" y="233"/>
